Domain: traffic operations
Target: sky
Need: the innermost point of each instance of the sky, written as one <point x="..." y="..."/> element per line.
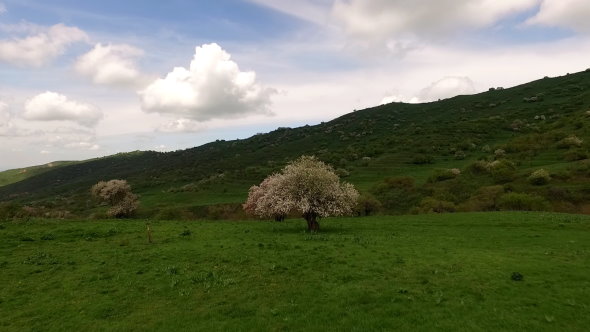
<point x="86" y="79"/>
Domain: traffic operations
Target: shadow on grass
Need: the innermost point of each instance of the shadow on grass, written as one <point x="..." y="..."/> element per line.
<point x="299" y="226"/>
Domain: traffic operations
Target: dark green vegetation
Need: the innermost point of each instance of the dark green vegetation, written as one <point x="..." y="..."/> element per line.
<point x="474" y="271"/>
<point x="19" y="174"/>
<point x="400" y="156"/>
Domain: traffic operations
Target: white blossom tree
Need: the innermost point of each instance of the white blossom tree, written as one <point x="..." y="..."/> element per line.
<point x="307" y="186"/>
<point x="117" y="193"/>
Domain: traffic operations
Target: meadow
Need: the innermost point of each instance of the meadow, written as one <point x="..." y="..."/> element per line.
<point x="465" y="271"/>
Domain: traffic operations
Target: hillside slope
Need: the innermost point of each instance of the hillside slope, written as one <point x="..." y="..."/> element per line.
<point x="527" y="124"/>
<point x="19" y="174"/>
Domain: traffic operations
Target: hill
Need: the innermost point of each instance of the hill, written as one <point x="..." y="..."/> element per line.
<point x="463" y="153"/>
<point x="19" y="174"/>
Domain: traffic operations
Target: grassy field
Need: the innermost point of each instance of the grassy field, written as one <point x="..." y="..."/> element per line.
<point x="450" y="272"/>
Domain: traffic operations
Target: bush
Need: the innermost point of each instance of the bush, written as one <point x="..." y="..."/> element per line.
<point x="421" y="159"/>
<point x="502" y="170"/>
<point x="522" y="202"/>
<point x="570" y="141"/>
<point x="443" y="174"/>
<point x="484" y="199"/>
<point x="367" y="205"/>
<point x="478" y="167"/>
<point x="433" y="205"/>
<point x="539" y="177"/>
<point x="117" y="193"/>
<point x="397" y="194"/>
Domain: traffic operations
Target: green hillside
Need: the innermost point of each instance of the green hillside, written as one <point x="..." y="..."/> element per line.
<point x="19" y="174"/>
<point x="400" y="155"/>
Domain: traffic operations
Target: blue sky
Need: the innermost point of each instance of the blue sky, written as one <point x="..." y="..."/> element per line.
<point x="81" y="79"/>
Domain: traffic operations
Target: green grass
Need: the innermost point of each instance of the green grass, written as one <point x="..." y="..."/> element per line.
<point x="445" y="272"/>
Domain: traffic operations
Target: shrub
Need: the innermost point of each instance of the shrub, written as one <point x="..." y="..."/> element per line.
<point x="421" y="159"/>
<point x="499" y="153"/>
<point x="433" y="205"/>
<point x="478" y="167"/>
<point x="539" y="177"/>
<point x="502" y="170"/>
<point x="443" y="174"/>
<point x="570" y="141"/>
<point x="522" y="202"/>
<point x="367" y="205"/>
<point x="397" y="194"/>
<point x="117" y="193"/>
<point x="484" y="199"/>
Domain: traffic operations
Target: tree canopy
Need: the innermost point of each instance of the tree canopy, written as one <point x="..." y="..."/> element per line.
<point x="307" y="186"/>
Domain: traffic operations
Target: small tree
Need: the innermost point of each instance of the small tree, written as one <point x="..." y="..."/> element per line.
<point x="116" y="193"/>
<point x="307" y="186"/>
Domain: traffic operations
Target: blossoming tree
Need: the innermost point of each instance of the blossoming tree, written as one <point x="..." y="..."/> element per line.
<point x="307" y="186"/>
<point x="117" y="193"/>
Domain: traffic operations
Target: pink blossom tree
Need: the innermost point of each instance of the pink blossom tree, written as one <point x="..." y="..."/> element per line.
<point x="307" y="186"/>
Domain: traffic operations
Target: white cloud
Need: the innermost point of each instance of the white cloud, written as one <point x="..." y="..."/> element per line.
<point x="2" y="8"/>
<point x="51" y="106"/>
<point x="212" y="87"/>
<point x="395" y="22"/>
<point x="446" y="88"/>
<point x="111" y="64"/>
<point x="571" y="14"/>
<point x="181" y="126"/>
<point x="39" y="49"/>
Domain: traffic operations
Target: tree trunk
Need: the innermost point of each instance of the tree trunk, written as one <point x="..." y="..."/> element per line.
<point x="312" y="222"/>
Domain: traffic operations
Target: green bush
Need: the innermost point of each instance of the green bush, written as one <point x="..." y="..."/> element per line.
<point x="570" y="141"/>
<point x="367" y="205"/>
<point x="397" y="194"/>
<point x="522" y="202"/>
<point x="502" y="170"/>
<point x="443" y="174"/>
<point x="433" y="205"/>
<point x="484" y="199"/>
<point x="478" y="167"/>
<point x="539" y="177"/>
<point x="421" y="159"/>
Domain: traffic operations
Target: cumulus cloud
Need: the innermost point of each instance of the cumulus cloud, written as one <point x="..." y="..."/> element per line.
<point x="394" y="22"/>
<point x="212" y="87"/>
<point x="570" y="14"/>
<point x="51" y="106"/>
<point x="447" y="87"/>
<point x="181" y="126"/>
<point x="2" y="8"/>
<point x="39" y="49"/>
<point x="111" y="64"/>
